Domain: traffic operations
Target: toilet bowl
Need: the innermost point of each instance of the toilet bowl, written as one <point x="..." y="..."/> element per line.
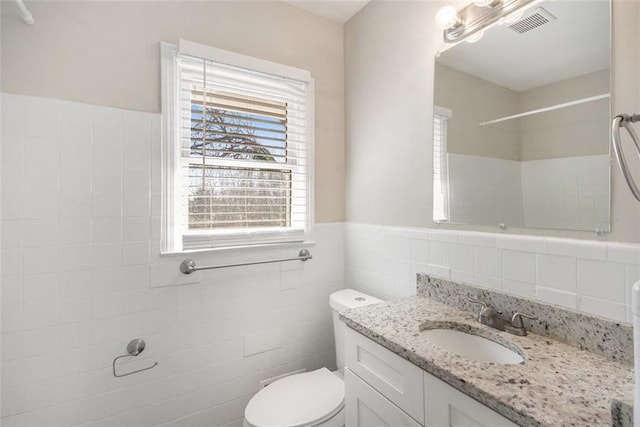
<point x="309" y="399"/>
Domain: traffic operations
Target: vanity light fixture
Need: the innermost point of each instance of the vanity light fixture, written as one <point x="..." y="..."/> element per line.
<point x="447" y="17"/>
<point x="485" y="3"/>
<point x="475" y="37"/>
<point x="458" y="25"/>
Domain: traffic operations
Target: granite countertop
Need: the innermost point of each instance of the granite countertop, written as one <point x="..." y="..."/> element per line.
<point x="622" y="404"/>
<point x="558" y="385"/>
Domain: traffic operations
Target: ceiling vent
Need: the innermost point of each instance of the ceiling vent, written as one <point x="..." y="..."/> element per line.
<point x="536" y="19"/>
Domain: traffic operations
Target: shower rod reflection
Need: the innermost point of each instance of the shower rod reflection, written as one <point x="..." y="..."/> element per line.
<point x="189" y="266"/>
<point x="25" y="14"/>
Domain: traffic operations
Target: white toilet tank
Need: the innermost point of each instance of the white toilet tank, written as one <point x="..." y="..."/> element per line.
<point x="340" y="301"/>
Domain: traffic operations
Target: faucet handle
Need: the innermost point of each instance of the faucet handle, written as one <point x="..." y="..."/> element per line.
<point x="516" y="320"/>
<point x="483" y="304"/>
<point x="477" y="301"/>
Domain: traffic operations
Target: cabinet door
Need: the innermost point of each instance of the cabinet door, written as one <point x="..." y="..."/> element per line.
<point x="365" y="407"/>
<point x="446" y="406"/>
<point x="397" y="379"/>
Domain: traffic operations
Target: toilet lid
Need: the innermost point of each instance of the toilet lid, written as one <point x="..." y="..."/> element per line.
<point x="297" y="400"/>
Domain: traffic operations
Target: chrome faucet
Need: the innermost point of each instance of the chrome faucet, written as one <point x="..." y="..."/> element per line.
<point x="491" y="317"/>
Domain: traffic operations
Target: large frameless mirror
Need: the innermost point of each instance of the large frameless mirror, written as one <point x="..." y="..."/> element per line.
<point x="521" y="121"/>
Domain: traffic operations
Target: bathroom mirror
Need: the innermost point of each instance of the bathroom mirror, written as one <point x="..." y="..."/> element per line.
<point x="521" y="121"/>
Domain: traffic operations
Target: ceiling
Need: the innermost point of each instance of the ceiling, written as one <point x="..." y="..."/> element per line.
<point x="339" y="11"/>
<point x="578" y="42"/>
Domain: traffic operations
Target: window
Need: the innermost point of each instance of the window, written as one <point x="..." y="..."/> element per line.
<point x="238" y="144"/>
<point x="441" y="117"/>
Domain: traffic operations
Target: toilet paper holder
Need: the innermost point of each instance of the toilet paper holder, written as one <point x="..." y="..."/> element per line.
<point x="134" y="348"/>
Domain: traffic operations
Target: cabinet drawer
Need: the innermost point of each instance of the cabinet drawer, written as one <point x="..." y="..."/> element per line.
<point x="394" y="377"/>
<point x="446" y="406"/>
<point x="365" y="407"/>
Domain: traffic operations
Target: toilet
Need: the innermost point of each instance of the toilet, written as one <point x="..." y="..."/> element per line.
<point x="310" y="398"/>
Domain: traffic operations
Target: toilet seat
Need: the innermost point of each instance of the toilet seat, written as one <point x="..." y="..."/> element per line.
<point x="299" y="400"/>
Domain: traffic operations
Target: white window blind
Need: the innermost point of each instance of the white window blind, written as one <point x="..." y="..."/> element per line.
<point x="243" y="144"/>
<point x="440" y="173"/>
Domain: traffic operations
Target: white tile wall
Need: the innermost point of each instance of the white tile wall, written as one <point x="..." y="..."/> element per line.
<point x="81" y="277"/>
<point x="595" y="277"/>
<point x="484" y="190"/>
<point x="563" y="193"/>
<point x="566" y="192"/>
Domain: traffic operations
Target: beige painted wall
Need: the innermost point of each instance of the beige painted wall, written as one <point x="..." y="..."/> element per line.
<point x="107" y="53"/>
<point x="581" y="130"/>
<point x="389" y="50"/>
<point x="474" y="100"/>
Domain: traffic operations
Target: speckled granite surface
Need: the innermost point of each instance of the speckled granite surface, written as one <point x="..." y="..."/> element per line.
<point x="608" y="338"/>
<point x="622" y="404"/>
<point x="558" y="385"/>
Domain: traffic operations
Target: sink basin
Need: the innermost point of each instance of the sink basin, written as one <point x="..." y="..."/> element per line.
<point x="472" y="346"/>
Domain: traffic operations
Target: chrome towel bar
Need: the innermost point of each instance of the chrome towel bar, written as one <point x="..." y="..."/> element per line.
<point x="626" y="121"/>
<point x="188" y="266"/>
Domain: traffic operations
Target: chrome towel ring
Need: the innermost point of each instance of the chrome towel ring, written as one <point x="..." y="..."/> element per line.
<point x="626" y="121"/>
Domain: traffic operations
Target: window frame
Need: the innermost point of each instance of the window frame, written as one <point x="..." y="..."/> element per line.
<point x="443" y="115"/>
<point x="174" y="230"/>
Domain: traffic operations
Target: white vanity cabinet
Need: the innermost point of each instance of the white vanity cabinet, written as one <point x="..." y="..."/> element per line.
<point x="383" y="389"/>
<point x="388" y="375"/>
<point x="366" y="407"/>
<point x="446" y="406"/>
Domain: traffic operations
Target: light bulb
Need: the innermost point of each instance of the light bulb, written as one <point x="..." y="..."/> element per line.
<point x="447" y="17"/>
<point x="474" y="38"/>
<point x="483" y="3"/>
